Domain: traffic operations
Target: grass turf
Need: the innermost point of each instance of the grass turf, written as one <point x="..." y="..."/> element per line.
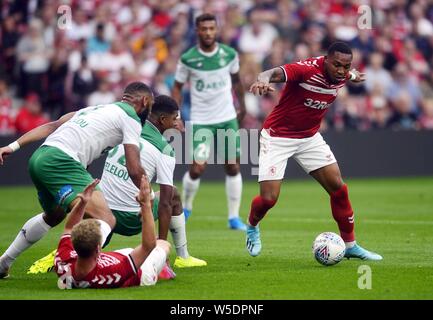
<point x="394" y="217"/>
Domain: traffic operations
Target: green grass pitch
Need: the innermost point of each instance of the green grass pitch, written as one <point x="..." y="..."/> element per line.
<point x="393" y="217"/>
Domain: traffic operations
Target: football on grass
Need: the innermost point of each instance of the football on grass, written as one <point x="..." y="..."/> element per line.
<point x="328" y="248"/>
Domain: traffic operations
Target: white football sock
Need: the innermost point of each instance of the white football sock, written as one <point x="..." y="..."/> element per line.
<point x="189" y="190"/>
<point x="234" y="194"/>
<point x="350" y="244"/>
<point x="105" y="230"/>
<point x="31" y="232"/>
<point x="178" y="232"/>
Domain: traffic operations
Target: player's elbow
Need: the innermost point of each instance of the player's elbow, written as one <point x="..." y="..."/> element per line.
<point x="148" y="245"/>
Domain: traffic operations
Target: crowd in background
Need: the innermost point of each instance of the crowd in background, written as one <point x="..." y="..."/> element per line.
<point x="50" y="65"/>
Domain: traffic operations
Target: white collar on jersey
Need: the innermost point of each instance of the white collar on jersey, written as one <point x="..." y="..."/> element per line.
<point x="209" y="54"/>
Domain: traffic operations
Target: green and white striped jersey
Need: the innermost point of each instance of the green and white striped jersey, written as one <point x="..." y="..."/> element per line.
<point x="210" y="81"/>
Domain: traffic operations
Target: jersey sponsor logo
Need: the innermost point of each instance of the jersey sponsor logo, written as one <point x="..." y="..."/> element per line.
<point x="63" y="193"/>
<point x="316" y="104"/>
<point x="200" y="85"/>
<point x="312" y="88"/>
<point x="191" y="60"/>
<point x="116" y="171"/>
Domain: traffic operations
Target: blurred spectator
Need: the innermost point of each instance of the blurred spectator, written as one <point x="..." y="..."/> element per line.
<point x="97" y="43"/>
<point x="380" y="113"/>
<point x="109" y="64"/>
<point x="257" y="36"/>
<point x="80" y="26"/>
<point x="30" y="115"/>
<point x="249" y="69"/>
<point x="426" y="119"/>
<point x="83" y="84"/>
<point x="422" y="25"/>
<point x="404" y="116"/>
<point x="376" y="75"/>
<point x="76" y="55"/>
<point x="34" y="57"/>
<point x="9" y="39"/>
<point x="102" y="96"/>
<point x="7" y="124"/>
<point x="57" y="72"/>
<point x="403" y="83"/>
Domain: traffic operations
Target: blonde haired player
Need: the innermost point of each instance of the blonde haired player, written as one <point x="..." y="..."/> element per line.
<point x="79" y="262"/>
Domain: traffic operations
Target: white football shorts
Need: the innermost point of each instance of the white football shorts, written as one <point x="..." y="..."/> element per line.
<point x="310" y="153"/>
<point x="152" y="266"/>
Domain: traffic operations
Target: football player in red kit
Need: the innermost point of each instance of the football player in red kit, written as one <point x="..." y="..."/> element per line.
<point x="291" y="130"/>
<point x="79" y="262"/>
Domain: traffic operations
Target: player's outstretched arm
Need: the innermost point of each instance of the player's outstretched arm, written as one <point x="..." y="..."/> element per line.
<point x="77" y="212"/>
<point x="148" y="236"/>
<point x="262" y="85"/>
<point x="33" y="135"/>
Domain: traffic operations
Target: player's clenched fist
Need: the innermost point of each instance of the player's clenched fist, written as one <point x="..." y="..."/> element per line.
<point x="261" y="88"/>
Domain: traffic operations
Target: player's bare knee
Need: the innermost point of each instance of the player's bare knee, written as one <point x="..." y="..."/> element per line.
<point x="176" y="202"/>
<point x="269" y="194"/>
<point x="53" y="218"/>
<point x="176" y="196"/>
<point x="335" y="184"/>
<point x="196" y="170"/>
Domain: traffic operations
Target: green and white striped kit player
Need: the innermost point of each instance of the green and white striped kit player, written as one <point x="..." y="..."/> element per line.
<point x="158" y="159"/>
<point x="212" y="106"/>
<point x="213" y="116"/>
<point x="58" y="167"/>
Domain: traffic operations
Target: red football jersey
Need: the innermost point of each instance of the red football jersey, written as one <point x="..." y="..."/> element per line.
<point x="304" y="100"/>
<point x="113" y="269"/>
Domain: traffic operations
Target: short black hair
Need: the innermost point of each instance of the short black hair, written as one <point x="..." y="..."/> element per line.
<point x="137" y="88"/>
<point x="339" y="46"/>
<point x="204" y="17"/>
<point x="164" y="104"/>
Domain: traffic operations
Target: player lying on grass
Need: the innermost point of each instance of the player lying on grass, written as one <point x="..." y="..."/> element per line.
<point x="58" y="167"/>
<point x="157" y="158"/>
<point x="79" y="262"/>
<point x="291" y="130"/>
